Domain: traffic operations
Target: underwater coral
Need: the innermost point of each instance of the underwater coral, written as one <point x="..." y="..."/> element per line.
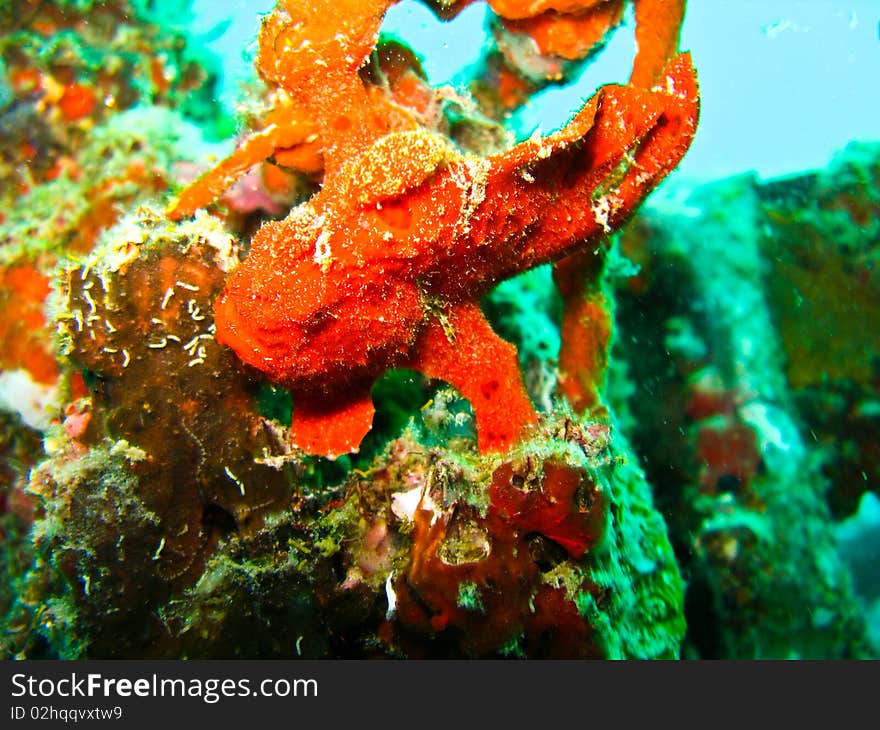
<point x="377" y="379"/>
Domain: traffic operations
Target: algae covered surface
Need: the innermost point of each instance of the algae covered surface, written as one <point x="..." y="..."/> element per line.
<point x="359" y="371"/>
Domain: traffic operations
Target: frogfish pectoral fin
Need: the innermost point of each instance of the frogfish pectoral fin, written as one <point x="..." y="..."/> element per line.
<point x="329" y="425"/>
<point x="462" y="349"/>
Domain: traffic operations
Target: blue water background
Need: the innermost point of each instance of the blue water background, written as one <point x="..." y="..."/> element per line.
<point x="784" y="84"/>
